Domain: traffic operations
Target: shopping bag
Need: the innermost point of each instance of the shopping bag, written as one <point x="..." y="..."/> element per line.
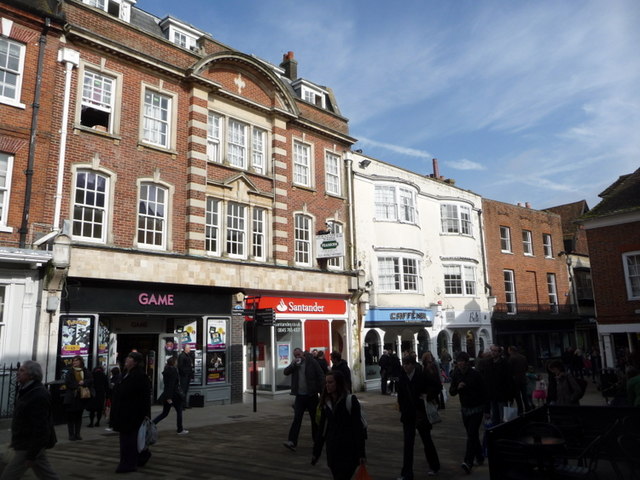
<point x="362" y="473"/>
<point x="509" y="413"/>
<point x="432" y="413"/>
<point x="147" y="434"/>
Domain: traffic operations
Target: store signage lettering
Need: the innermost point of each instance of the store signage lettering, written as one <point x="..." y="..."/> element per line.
<point x="155" y="299"/>
<point x="293" y="307"/>
<point x="412" y="315"/>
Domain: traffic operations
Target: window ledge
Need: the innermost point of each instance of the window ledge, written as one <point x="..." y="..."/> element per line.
<point x="94" y="131"/>
<point x="151" y="146"/>
<point x="304" y="187"/>
<point x="13" y="103"/>
<point x="6" y="229"/>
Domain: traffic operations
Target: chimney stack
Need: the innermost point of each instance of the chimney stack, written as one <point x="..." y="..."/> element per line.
<point x="290" y="66"/>
<point x="527" y="204"/>
<point x="436" y="169"/>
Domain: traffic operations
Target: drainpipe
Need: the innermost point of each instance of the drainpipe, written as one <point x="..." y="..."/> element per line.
<point x="24" y="227"/>
<point x="349" y="161"/>
<point x="70" y="58"/>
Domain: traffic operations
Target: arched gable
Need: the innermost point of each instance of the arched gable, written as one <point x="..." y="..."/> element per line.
<point x="243" y="76"/>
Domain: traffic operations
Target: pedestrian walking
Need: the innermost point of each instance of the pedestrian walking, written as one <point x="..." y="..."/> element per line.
<point x="518" y="368"/>
<point x="340" y="428"/>
<point x="307" y="381"/>
<point x="340" y="365"/>
<point x="78" y="391"/>
<point x="32" y="429"/>
<point x="96" y="405"/>
<point x="322" y="361"/>
<point x="186" y="362"/>
<point x="172" y="395"/>
<point x="474" y="405"/>
<point x="131" y="404"/>
<point x="414" y="387"/>
<point x="568" y="391"/>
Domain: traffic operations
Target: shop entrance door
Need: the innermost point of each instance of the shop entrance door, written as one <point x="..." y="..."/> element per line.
<point x="144" y="343"/>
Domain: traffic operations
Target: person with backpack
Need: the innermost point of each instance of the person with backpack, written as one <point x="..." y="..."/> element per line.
<point x="341" y="427"/>
<point x="568" y="390"/>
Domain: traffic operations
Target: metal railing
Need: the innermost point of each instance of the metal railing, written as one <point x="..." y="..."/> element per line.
<point x="538" y="308"/>
<point x="8" y="388"/>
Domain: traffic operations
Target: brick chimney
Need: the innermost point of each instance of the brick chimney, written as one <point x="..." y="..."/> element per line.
<point x="290" y="66"/>
<point x="436" y="169"/>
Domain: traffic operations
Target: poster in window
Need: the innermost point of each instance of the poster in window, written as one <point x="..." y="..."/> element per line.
<point x="188" y="334"/>
<point x="216" y="367"/>
<point x="216" y="334"/>
<point x="284" y="355"/>
<point x="75" y="336"/>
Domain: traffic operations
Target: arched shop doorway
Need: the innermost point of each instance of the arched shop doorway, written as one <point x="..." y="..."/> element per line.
<point x="471" y="343"/>
<point x="372" y="351"/>
<point x="456" y="343"/>
<point x="424" y="343"/>
<point x="443" y="342"/>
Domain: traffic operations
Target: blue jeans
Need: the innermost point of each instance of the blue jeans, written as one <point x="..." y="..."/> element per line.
<point x="303" y="403"/>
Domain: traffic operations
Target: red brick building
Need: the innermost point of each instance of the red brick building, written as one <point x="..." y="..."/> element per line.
<point x="30" y="33"/>
<point x="192" y="175"/>
<point x="613" y="233"/>
<point x="528" y="280"/>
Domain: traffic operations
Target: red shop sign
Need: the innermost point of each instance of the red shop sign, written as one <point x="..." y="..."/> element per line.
<point x="302" y="306"/>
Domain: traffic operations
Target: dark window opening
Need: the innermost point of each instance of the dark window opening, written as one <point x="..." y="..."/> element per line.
<point x="94" y="118"/>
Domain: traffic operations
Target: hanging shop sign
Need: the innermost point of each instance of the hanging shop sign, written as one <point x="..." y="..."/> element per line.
<point x="330" y="245"/>
<point x="399" y="316"/>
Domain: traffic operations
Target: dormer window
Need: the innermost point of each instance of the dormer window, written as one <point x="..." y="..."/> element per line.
<point x="310" y="93"/>
<point x="181" y="34"/>
<point x="117" y="8"/>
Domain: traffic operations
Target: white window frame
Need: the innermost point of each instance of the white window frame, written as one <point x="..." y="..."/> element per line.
<point x="456" y="219"/>
<point x="510" y="298"/>
<point x="213" y="226"/>
<point x="91" y="208"/>
<point x="385" y="203"/>
<point x="237" y="138"/>
<point x="258" y="150"/>
<point x="462" y="278"/>
<point x="395" y="203"/>
<point x="5" y="189"/>
<point x="505" y="239"/>
<point x="333" y="177"/>
<point x="335" y="263"/>
<point x="214" y="137"/>
<point x="631" y="265"/>
<point x="399" y="274"/>
<point x="153" y="121"/>
<point x="101" y="4"/>
<point x="547" y="245"/>
<point x="406" y="206"/>
<point x="17" y="71"/>
<point x="303" y="229"/>
<point x="552" y="289"/>
<point x="527" y="242"/>
<point x="302" y="167"/>
<point x="100" y="104"/>
<point x="151" y="216"/>
<point x="236" y="230"/>
<point x="259" y="233"/>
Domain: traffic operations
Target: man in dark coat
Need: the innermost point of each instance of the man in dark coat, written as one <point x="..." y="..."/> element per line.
<point x="413" y="390"/>
<point x="307" y="381"/>
<point x="185" y="369"/>
<point x="339" y="365"/>
<point x="499" y="383"/>
<point x="131" y="404"/>
<point x="518" y="367"/>
<point x="32" y="426"/>
<point x="384" y="362"/>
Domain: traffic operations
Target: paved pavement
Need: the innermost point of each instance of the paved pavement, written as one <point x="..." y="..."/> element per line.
<point x="233" y="442"/>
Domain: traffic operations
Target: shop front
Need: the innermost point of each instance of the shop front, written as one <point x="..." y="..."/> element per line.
<point x="395" y="330"/>
<point x="103" y="321"/>
<point x="309" y="323"/>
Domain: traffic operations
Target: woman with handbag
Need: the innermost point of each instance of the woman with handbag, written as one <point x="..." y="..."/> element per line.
<point x="340" y="427"/>
<point x="78" y="384"/>
<point x="172" y="395"/>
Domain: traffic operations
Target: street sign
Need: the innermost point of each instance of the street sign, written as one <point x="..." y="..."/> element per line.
<point x="266" y="316"/>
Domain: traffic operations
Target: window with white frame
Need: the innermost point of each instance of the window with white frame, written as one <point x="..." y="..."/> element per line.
<point x="258" y="150"/>
<point x="335" y="262"/>
<point x="11" y="70"/>
<point x="237" y="144"/>
<point x="302" y="239"/>
<point x="214" y="130"/>
<point x="96" y="3"/>
<point x="301" y="164"/>
<point x="3" y="296"/>
<point x="236" y="229"/>
<point x="258" y="234"/>
<point x="398" y="274"/>
<point x="180" y="39"/>
<point x="631" y="263"/>
<point x="505" y="239"/>
<point x="212" y="226"/>
<point x="553" y="292"/>
<point x="332" y="173"/>
<point x="156" y="119"/>
<point x="547" y="245"/>
<point x="510" y="290"/>
<point x="395" y="203"/>
<point x="527" y="242"/>
<point x="460" y="280"/>
<point x="91" y="198"/>
<point x="152" y="216"/>
<point x="456" y="218"/>
<point x="6" y="168"/>
<point x="97" y="104"/>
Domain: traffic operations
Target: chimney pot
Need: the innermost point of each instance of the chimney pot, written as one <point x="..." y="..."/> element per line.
<point x="436" y="169"/>
<point x="290" y="66"/>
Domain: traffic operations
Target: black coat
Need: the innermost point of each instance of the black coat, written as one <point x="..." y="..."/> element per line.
<point x="32" y="424"/>
<point x="131" y="401"/>
<point x="171" y="382"/>
<point x="411" y="405"/>
<point x="312" y="372"/>
<point x="100" y="387"/>
<point x="474" y="394"/>
<point x="185" y="365"/>
<point x="71" y="399"/>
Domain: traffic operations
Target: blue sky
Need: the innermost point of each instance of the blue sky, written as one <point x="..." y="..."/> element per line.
<point x="521" y="101"/>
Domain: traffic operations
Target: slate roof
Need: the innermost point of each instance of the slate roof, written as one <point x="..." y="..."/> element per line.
<point x="569" y="212"/>
<point x="622" y="196"/>
<point x="46" y="8"/>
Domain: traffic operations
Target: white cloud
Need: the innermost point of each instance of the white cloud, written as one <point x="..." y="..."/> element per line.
<point x="410" y="152"/>
<point x="464" y="164"/>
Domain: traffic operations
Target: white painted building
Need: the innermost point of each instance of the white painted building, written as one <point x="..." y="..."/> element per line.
<point x="419" y="252"/>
